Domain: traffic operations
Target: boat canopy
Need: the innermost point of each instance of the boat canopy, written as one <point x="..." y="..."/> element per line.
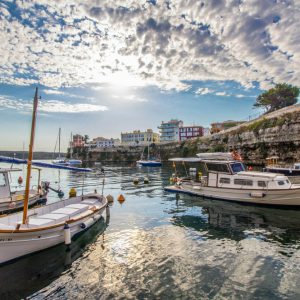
<point x="216" y="155"/>
<point x="186" y="159"/>
<point x="200" y="160"/>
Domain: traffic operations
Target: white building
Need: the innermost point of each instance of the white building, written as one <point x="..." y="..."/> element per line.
<point x="169" y="131"/>
<point x="206" y="131"/>
<point x="138" y="137"/>
<point x="101" y="142"/>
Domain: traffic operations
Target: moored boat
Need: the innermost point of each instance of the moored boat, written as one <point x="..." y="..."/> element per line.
<point x="229" y="180"/>
<point x="274" y="167"/>
<point x="149" y="161"/>
<point x="48" y="225"/>
<point x="13" y="200"/>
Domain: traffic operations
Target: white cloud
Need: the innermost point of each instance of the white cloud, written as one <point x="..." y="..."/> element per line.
<point x="53" y="92"/>
<point x="51" y="106"/>
<point x="129" y="98"/>
<point x="204" y="91"/>
<point x="221" y="94"/>
<point x="164" y="44"/>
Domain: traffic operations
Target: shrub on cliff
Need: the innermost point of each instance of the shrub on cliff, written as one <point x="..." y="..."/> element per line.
<point x="280" y="96"/>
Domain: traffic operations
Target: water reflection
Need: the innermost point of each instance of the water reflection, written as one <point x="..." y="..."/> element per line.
<point x="236" y="221"/>
<point x="29" y="274"/>
<point x="163" y="246"/>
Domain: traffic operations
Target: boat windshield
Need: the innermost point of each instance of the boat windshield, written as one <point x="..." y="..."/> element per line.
<point x="237" y="167"/>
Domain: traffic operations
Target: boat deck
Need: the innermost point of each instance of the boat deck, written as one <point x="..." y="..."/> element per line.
<point x="55" y="213"/>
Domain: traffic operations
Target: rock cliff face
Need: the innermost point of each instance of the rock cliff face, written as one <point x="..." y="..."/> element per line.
<point x="277" y="133"/>
<point x="274" y="134"/>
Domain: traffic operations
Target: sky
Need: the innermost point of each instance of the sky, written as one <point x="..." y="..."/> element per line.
<point x="106" y="67"/>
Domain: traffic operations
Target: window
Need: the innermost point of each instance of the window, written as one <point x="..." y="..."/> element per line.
<point x="225" y="180"/>
<point x="261" y="183"/>
<point x="217" y="167"/>
<point x="280" y="182"/>
<point x="2" y="180"/>
<point x="246" y="182"/>
<point x="237" y="167"/>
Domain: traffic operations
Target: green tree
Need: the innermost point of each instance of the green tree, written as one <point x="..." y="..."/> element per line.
<point x="280" y="96"/>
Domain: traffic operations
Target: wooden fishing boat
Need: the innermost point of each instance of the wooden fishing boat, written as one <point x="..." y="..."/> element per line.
<point x="40" y="228"/>
<point x="48" y="225"/>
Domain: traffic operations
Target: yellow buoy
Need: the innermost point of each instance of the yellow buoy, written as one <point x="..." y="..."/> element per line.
<point x="72" y="192"/>
<point x="121" y="198"/>
<point x="110" y="198"/>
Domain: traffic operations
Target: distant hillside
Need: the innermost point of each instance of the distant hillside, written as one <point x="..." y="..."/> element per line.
<point x="36" y="155"/>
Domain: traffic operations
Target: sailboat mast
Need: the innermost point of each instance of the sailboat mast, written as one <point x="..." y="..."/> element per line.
<point x="148" y="151"/>
<point x="71" y="146"/>
<point x="29" y="162"/>
<point x="59" y="142"/>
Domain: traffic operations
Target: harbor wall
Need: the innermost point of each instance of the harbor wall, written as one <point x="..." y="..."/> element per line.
<point x="277" y="133"/>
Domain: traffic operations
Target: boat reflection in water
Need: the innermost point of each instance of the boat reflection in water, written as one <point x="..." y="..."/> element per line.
<point x="30" y="274"/>
<point x="235" y="221"/>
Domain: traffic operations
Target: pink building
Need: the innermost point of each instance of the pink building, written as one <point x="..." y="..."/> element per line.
<point x="188" y="132"/>
<point x="78" y="140"/>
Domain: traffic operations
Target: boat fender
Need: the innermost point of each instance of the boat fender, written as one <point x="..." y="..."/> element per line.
<point x="60" y="194"/>
<point x="20" y="180"/>
<point x="67" y="234"/>
<point x="72" y="193"/>
<point x="107" y="211"/>
<point x="110" y="198"/>
<point x="89" y="222"/>
<point x="12" y="205"/>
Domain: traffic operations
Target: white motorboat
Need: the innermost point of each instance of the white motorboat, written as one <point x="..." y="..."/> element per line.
<point x="46" y="226"/>
<point x="229" y="180"/>
<point x="13" y="200"/>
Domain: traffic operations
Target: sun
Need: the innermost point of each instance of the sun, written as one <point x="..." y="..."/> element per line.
<point x="123" y="80"/>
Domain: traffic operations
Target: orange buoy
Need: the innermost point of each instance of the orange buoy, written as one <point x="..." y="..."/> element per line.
<point x="20" y="180"/>
<point x="121" y="198"/>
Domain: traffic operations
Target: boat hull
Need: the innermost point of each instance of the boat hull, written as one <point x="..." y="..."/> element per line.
<point x="16" y="244"/>
<point x="149" y="163"/>
<point x="15" y="205"/>
<point x="284" y="197"/>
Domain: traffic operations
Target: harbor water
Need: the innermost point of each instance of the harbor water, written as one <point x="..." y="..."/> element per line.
<point x="159" y="245"/>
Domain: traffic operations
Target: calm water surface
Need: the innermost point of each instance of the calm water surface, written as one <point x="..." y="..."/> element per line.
<point x="161" y="246"/>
